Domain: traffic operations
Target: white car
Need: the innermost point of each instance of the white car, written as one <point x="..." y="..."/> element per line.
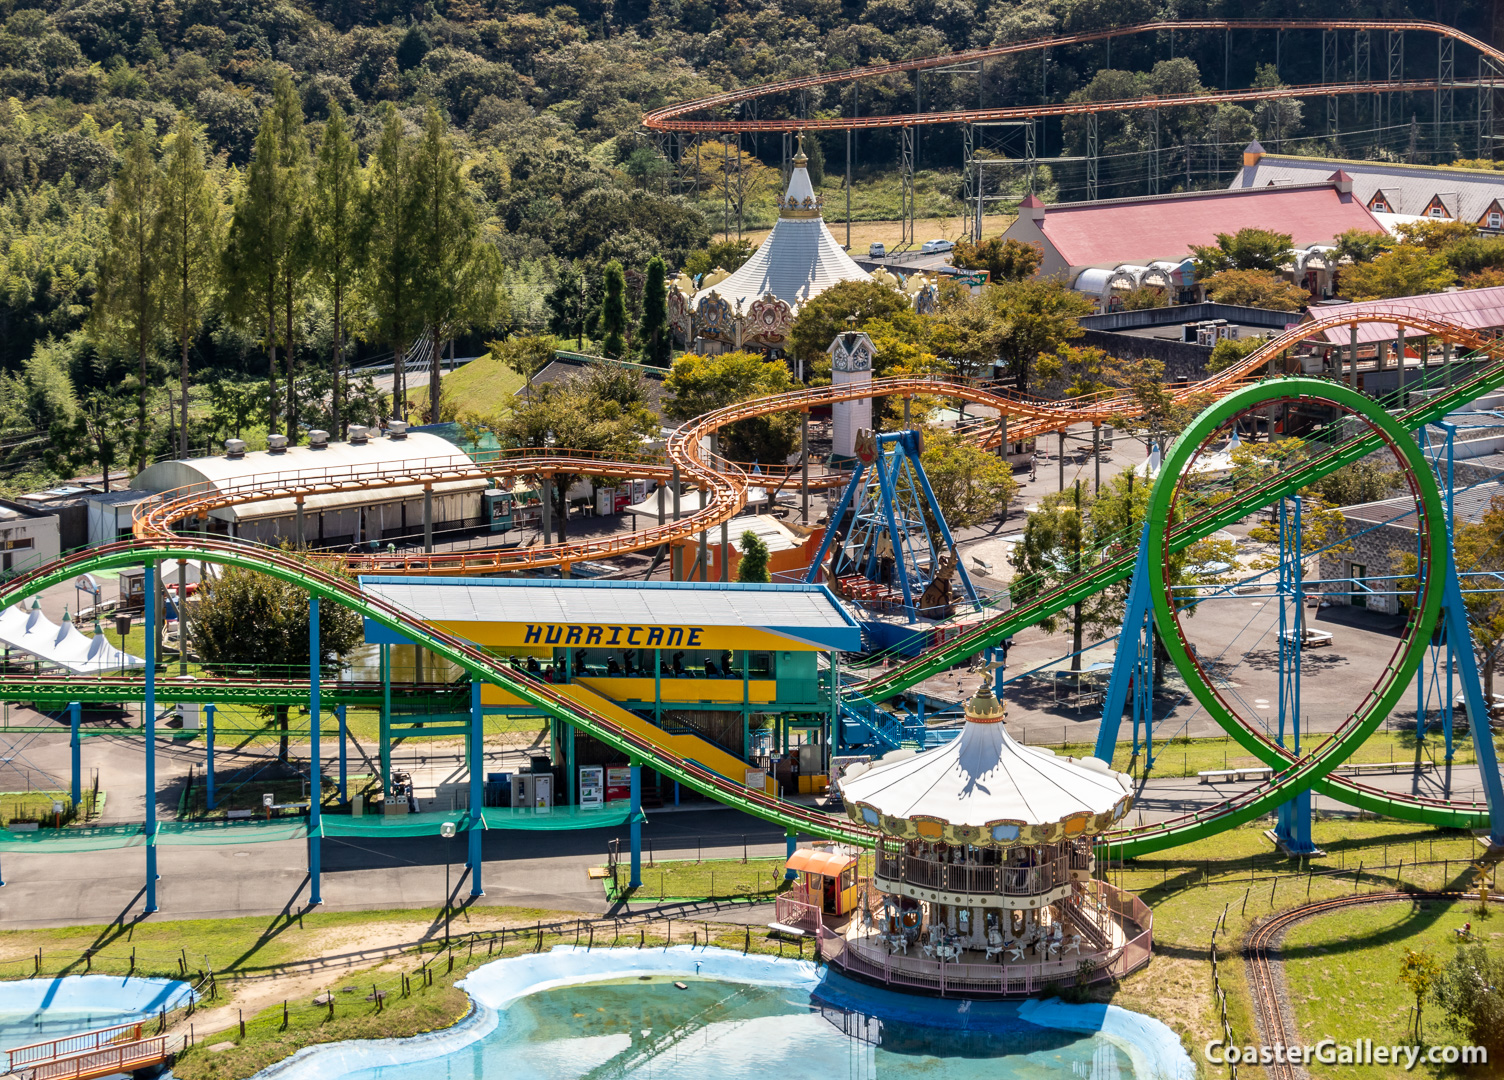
<point x="934" y="247"/>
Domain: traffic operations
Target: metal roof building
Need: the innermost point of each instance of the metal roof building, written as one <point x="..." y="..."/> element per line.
<point x="1158" y="231"/>
<point x="1440" y="192"/>
<point x="340" y="517"/>
<point x="1475" y="309"/>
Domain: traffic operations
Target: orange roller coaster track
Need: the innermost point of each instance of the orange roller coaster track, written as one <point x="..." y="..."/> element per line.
<point x="688" y="458"/>
<point x="677" y="117"/>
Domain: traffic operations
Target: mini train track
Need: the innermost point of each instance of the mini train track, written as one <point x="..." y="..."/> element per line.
<point x="1266" y="980"/>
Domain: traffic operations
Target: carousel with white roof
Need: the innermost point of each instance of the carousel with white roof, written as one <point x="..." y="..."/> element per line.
<point x="983" y="881"/>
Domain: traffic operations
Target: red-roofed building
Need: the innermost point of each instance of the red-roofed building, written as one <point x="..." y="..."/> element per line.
<point x="1131" y="242"/>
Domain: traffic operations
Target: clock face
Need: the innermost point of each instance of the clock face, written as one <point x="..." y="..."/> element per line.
<point x="856" y="360"/>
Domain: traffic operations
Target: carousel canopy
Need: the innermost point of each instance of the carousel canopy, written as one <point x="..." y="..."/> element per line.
<point x="985" y="788"/>
<point x="799" y="259"/>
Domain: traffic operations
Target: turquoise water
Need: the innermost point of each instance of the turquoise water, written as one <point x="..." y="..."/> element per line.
<point x="36" y="1010"/>
<point x="24" y="1028"/>
<point x="633" y="1029"/>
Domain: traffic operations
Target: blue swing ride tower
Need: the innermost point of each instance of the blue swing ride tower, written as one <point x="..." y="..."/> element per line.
<point x="889" y="548"/>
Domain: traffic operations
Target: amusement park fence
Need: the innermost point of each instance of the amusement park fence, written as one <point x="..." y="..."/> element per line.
<point x="1221" y="996"/>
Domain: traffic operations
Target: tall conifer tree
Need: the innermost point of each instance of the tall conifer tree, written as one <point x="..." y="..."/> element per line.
<point x="187" y="231"/>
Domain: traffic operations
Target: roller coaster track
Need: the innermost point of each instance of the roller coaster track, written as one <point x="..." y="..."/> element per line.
<point x="727" y="483"/>
<point x="676" y="117"/>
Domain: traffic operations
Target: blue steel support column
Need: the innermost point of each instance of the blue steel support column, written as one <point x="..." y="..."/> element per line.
<point x="209" y="800"/>
<point x="1293" y="819"/>
<point x="885" y="486"/>
<point x="150" y="720"/>
<point x="1460" y="645"/>
<point x="1126" y="662"/>
<point x="834" y="743"/>
<point x="344" y="759"/>
<point x="950" y="543"/>
<point x="790" y="845"/>
<point x="76" y="754"/>
<point x="477" y="794"/>
<point x="635" y="807"/>
<point x="832" y="524"/>
<point x="315" y="767"/>
<point x="385" y="748"/>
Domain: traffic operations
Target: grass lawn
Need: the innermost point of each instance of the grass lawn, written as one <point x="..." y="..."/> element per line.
<point x="1343" y="973"/>
<point x="1248" y="880"/>
<point x="484" y="387"/>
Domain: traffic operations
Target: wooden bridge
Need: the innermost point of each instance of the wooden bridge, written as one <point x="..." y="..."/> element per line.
<point x="106" y="1052"/>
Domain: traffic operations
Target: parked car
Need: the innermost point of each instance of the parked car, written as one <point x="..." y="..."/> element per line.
<point x="934" y="247"/>
<point x="877" y="251"/>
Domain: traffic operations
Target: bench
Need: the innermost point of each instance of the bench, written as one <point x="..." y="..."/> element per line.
<point x="1256" y="772"/>
<point x="1357" y="769"/>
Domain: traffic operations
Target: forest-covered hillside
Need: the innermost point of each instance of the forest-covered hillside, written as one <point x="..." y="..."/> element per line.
<point x="540" y="107"/>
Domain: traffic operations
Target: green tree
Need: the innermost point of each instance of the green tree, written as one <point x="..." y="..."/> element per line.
<point x="847" y="305"/>
<point x="1004" y="260"/>
<point x="293" y="165"/>
<point x="98" y="433"/>
<point x="1363" y="481"/>
<point x="1054" y="548"/>
<point x="727" y="255"/>
<point x="603" y="411"/>
<point x="1479" y="549"/>
<point x="1034" y="317"/>
<point x="456" y="278"/>
<point x="128" y="305"/>
<point x="653" y="334"/>
<point x="1246" y="249"/>
<point x="700" y="384"/>
<point x="1144" y="298"/>
<point x="249" y="620"/>
<point x="1256" y="288"/>
<point x="1405" y="271"/>
<point x="1435" y="235"/>
<point x="614" y="312"/>
<point x="753" y="567"/>
<point x="187" y="240"/>
<point x="1074" y="371"/>
<point x="1230" y="351"/>
<point x="392" y="253"/>
<point x="1470" y="990"/>
<point x="526" y="354"/>
<point x="1418" y="973"/>
<point x="1362" y="246"/>
<point x="254" y="250"/>
<point x="338" y="237"/>
<point x="970" y="485"/>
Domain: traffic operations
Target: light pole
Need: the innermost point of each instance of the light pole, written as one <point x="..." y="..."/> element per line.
<point x="447" y="831"/>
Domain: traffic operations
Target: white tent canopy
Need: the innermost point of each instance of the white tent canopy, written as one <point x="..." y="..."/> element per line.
<point x="32" y="632"/>
<point x="984" y="778"/>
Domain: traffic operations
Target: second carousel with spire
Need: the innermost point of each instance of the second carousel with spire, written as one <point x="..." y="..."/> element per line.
<point x="753" y="307"/>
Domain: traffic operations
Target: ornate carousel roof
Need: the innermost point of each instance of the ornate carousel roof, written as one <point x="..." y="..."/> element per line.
<point x="799" y="259"/>
<point x="985" y="788"/>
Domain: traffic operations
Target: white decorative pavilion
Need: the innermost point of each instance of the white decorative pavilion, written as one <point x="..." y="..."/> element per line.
<point x="753" y="307"/>
<point x="983" y="881"/>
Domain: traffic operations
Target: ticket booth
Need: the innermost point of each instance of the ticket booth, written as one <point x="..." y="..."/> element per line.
<point x="830" y="876"/>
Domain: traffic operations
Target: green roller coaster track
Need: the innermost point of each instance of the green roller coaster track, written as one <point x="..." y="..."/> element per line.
<point x="1292" y="777"/>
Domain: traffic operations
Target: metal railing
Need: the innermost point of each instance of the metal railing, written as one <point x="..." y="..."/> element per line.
<point x="972" y="879"/>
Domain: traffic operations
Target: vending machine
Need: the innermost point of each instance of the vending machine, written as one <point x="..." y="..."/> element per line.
<point x="592" y="787"/>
